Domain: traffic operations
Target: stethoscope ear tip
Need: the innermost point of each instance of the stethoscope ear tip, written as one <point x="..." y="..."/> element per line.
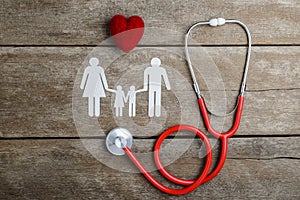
<point x="117" y="139"/>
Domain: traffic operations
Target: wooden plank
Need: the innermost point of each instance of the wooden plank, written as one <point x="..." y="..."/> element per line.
<point x="265" y="148"/>
<point x="270" y="67"/>
<point x="53" y="117"/>
<point x="36" y="91"/>
<point x="86" y="22"/>
<point x="60" y="169"/>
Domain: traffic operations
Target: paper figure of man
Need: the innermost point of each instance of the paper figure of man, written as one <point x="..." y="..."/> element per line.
<point x="153" y="77"/>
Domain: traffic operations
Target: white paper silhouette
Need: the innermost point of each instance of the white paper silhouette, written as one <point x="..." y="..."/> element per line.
<point x="152" y="77"/>
<point x="94" y="82"/>
<point x="119" y="100"/>
<point x="131" y="96"/>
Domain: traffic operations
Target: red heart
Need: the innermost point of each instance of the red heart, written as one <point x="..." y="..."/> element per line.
<point x="126" y="32"/>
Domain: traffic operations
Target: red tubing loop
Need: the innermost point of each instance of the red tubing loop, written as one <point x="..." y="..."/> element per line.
<point x="205" y="176"/>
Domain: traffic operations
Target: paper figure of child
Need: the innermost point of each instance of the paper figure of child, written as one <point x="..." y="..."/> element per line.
<point x="119" y="101"/>
<point x="131" y="96"/>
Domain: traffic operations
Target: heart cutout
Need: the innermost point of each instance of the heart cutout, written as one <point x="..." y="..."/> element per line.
<point x="126" y="32"/>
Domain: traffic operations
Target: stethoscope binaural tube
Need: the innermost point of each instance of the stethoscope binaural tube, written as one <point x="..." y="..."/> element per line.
<point x="214" y="23"/>
<point x="119" y="141"/>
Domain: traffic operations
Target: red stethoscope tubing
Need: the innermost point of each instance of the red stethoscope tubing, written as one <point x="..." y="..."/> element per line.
<point x="205" y="176"/>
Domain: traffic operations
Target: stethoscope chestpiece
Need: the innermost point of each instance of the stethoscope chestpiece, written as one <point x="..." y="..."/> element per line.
<point x="117" y="139"/>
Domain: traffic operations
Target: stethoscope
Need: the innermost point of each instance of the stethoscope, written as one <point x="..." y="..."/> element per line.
<point x="119" y="140"/>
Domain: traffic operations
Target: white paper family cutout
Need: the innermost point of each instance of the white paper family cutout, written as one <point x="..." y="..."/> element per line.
<point x="94" y="84"/>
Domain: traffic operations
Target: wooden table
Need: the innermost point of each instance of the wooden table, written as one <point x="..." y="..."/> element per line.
<point x="43" y="43"/>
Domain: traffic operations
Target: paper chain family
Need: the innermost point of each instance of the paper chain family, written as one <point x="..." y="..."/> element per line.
<point x="94" y="84"/>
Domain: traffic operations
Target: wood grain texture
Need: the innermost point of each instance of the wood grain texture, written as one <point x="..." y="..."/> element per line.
<point x="270" y="67"/>
<point x="60" y="169"/>
<point x="37" y="83"/>
<point x="86" y="22"/>
<point x="54" y="40"/>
